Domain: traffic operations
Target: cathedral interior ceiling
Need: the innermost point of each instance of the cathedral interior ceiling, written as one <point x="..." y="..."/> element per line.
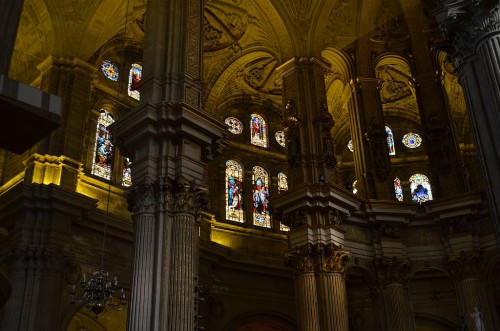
<point x="244" y="41"/>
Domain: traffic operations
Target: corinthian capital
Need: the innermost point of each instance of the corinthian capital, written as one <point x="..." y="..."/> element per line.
<point x="393" y="271"/>
<point x="141" y="197"/>
<point x="188" y="197"/>
<point x="318" y="257"/>
<point x="466" y="265"/>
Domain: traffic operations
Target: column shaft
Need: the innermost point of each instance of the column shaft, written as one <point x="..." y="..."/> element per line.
<point x="184" y="246"/>
<point x="471" y="296"/>
<point x="335" y="310"/>
<point x="140" y="310"/>
<point x="307" y="302"/>
<point x="397" y="308"/>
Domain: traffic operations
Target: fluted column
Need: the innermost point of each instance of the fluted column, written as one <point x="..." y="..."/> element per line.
<point x="303" y="263"/>
<point x="144" y="266"/>
<point x="466" y="270"/>
<point x="474" y="29"/>
<point x="393" y="276"/>
<point x="334" y="294"/>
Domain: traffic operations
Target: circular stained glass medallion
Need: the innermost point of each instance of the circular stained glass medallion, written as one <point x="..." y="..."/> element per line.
<point x="110" y="70"/>
<point x="234" y="125"/>
<point x="412" y="140"/>
<point x="350" y="146"/>
<point x="280" y="138"/>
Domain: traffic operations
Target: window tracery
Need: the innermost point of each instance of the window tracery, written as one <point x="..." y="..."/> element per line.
<point x="412" y="140"/>
<point x="258" y="131"/>
<point x="234" y="125"/>
<point x="110" y="70"/>
<point x="260" y="182"/>
<point x="420" y="188"/>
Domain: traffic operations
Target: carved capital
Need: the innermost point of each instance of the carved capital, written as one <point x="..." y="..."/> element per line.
<point x="466" y="265"/>
<point x="188" y="197"/>
<point x="141" y="197"/>
<point x="318" y="258"/>
<point x="332" y="258"/>
<point x="393" y="271"/>
<point x="302" y="260"/>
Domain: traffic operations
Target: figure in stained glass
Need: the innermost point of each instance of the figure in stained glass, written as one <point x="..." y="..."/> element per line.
<point x="260" y="181"/>
<point x="234" y="191"/>
<point x="134" y="78"/>
<point x="103" y="149"/>
<point x="420" y="188"/>
<point x="398" y="190"/>
<point x="390" y="141"/>
<point x="258" y="130"/>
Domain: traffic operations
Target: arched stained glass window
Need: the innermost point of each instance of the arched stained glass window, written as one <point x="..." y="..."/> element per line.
<point x="412" y="140"/>
<point x="258" y="131"/>
<point x="234" y="125"/>
<point x="280" y="138"/>
<point x="234" y="192"/>
<point x="110" y="70"/>
<point x="398" y="190"/>
<point x="127" y="173"/>
<point x="260" y="183"/>
<point x="282" y="182"/>
<point x="134" y="78"/>
<point x="103" y="148"/>
<point x="420" y="188"/>
<point x="350" y="146"/>
<point x="390" y="141"/>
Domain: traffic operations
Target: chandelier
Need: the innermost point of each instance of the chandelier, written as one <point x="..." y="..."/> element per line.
<point x="97" y="293"/>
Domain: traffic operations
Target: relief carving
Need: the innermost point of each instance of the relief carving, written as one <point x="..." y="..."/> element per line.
<point x="318" y="258"/>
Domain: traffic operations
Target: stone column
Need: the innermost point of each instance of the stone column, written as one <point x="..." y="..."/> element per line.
<point x="9" y="23"/>
<point x="474" y="29"/>
<point x="393" y="277"/>
<point x="303" y="263"/>
<point x="169" y="140"/>
<point x="334" y="294"/>
<point x="370" y="139"/>
<point x="466" y="270"/>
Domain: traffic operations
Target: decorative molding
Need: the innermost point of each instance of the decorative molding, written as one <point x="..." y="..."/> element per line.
<point x="328" y="258"/>
<point x="466" y="265"/>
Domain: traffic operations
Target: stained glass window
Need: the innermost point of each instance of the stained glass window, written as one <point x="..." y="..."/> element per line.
<point x="280" y="138"/>
<point x="127" y="173"/>
<point x="234" y="125"/>
<point x="103" y="149"/>
<point x="110" y="70"/>
<point x="282" y="182"/>
<point x="354" y="189"/>
<point x="258" y="131"/>
<point x="134" y="78"/>
<point x="260" y="182"/>
<point x="234" y="191"/>
<point x="350" y="146"/>
<point x="390" y="141"/>
<point x="412" y="140"/>
<point x="420" y="188"/>
<point x="398" y="190"/>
